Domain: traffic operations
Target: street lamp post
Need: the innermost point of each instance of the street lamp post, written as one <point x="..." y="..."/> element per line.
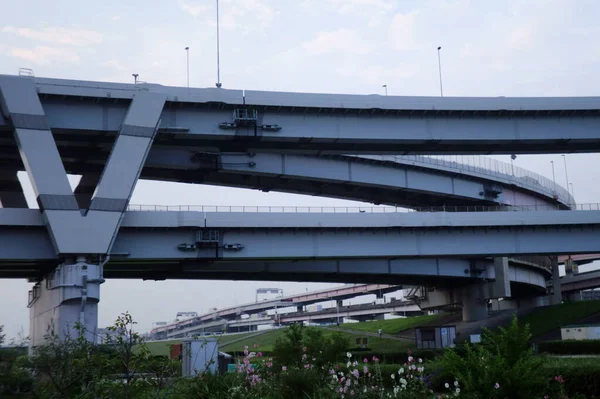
<point x="187" y="52"/>
<point x="553" y="177"/>
<point x="385" y="87"/>
<point x="512" y="167"/>
<point x="566" y="173"/>
<point x="218" y="84"/>
<point x="135" y="77"/>
<point x="440" y="70"/>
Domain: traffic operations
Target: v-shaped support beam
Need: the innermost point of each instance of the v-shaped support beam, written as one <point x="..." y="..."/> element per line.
<point x="71" y="231"/>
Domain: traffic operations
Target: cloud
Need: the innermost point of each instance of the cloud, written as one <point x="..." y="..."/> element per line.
<point x="361" y="7"/>
<point x="341" y="40"/>
<point x="58" y="35"/>
<point x="115" y="17"/>
<point x="113" y="64"/>
<point x="193" y="9"/>
<point x="402" y="31"/>
<point x="43" y="55"/>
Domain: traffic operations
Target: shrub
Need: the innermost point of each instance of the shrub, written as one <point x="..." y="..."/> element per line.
<point x="300" y="343"/>
<point x="581" y="376"/>
<point x="570" y="347"/>
<point x="502" y="366"/>
<point x="395" y="357"/>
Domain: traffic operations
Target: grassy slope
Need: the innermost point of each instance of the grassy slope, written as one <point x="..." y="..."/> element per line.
<point x="163" y="348"/>
<point x="266" y="341"/>
<point x="393" y="326"/>
<point x="548" y="318"/>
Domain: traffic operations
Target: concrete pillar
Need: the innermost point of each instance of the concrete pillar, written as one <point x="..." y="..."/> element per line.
<point x="557" y="294"/>
<point x="474" y="304"/>
<point x="299" y="308"/>
<point x="500" y="287"/>
<point x="11" y="191"/>
<point x="65" y="297"/>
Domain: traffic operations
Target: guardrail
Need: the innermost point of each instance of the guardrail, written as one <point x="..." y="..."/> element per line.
<point x="353" y="209"/>
<point x="485" y="166"/>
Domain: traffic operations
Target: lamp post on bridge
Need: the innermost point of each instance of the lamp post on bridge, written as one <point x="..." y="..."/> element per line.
<point x="566" y="172"/>
<point x="187" y="52"/>
<point x="512" y="167"/>
<point x="385" y="87"/>
<point x="553" y="178"/>
<point x="440" y="70"/>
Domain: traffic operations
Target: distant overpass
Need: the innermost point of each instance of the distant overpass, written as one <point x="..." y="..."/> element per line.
<point x="303" y="299"/>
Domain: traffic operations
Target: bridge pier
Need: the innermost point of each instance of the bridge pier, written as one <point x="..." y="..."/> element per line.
<point x="474" y="303"/>
<point x="67" y="296"/>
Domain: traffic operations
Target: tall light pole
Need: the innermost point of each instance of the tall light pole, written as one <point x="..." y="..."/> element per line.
<point x="218" y="84"/>
<point x="385" y="87"/>
<point x="553" y="177"/>
<point x="512" y="167"/>
<point x="135" y="77"/>
<point x="566" y="173"/>
<point x="572" y="192"/>
<point x="440" y="70"/>
<point x="187" y="52"/>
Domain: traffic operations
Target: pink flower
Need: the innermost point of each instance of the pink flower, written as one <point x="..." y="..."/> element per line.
<point x="283" y="368"/>
<point x="259" y="354"/>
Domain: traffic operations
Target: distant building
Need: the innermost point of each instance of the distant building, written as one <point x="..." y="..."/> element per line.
<point x="580" y="332"/>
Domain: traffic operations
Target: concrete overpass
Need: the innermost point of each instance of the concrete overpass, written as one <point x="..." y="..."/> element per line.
<point x="298" y="300"/>
<point x="162" y="236"/>
<point x="57" y="127"/>
<point x="255" y="121"/>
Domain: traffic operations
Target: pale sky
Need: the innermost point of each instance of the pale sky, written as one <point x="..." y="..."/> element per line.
<point x="507" y="48"/>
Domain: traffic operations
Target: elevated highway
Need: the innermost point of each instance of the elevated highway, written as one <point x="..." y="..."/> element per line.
<point x="379" y="247"/>
<point x="316" y="123"/>
<point x="113" y="134"/>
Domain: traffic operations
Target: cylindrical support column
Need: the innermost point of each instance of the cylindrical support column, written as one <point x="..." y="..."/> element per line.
<point x="474" y="305"/>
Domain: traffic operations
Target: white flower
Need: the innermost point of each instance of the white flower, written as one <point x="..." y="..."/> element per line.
<point x="403" y="381"/>
<point x="447" y="385"/>
<point x="496" y="385"/>
<point x="420" y="360"/>
<point x="457" y="390"/>
<point x="401" y="371"/>
<point x="393" y="376"/>
<point x="349" y="355"/>
<point x="410" y="358"/>
<point x="348" y="364"/>
<point x="456" y="383"/>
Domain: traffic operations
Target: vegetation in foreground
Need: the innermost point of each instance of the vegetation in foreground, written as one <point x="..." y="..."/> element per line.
<point x="304" y="363"/>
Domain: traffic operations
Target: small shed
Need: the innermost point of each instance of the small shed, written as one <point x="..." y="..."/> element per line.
<point x="435" y="337"/>
<point x="580" y="331"/>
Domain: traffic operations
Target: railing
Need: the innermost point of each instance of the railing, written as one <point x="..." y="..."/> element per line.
<point x="352" y="209"/>
<point x="484" y="166"/>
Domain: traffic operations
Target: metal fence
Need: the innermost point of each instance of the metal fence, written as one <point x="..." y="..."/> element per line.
<point x="353" y="209"/>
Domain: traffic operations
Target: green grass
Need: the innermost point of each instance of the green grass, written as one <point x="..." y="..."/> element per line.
<point x="163" y="348"/>
<point x="266" y="341"/>
<point x="393" y="326"/>
<point x="548" y="318"/>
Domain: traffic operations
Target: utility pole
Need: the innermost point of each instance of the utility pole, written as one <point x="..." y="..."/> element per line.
<point x="218" y="51"/>
<point x="187" y="51"/>
<point x="440" y="70"/>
